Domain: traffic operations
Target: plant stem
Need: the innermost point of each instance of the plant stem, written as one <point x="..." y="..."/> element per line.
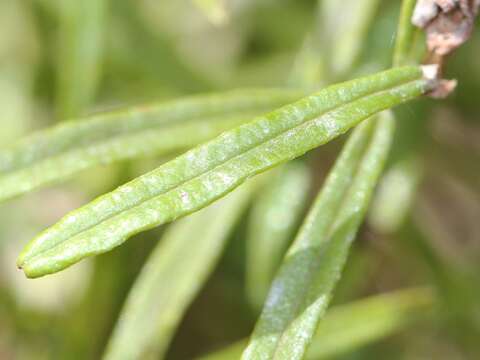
<point x="405" y="34"/>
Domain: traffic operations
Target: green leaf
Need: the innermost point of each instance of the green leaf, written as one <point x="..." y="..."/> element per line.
<point x="345" y="26"/>
<point x="215" y="10"/>
<point x="81" y="29"/>
<point x="348" y="327"/>
<point x="398" y="186"/>
<point x="308" y="68"/>
<point x="458" y="299"/>
<point x="208" y="172"/>
<point x="172" y="277"/>
<point x="405" y="34"/>
<point x="331" y="50"/>
<point x="301" y="291"/>
<point x="59" y="152"/>
<point x="395" y="195"/>
<point x="272" y="223"/>
<point x="368" y="320"/>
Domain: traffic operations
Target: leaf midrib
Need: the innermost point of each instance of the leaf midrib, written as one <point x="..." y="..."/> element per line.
<point x="104" y="152"/>
<point x="121" y="137"/>
<point x="87" y="143"/>
<point x="328" y="233"/>
<point x="224" y="161"/>
<point x="374" y="139"/>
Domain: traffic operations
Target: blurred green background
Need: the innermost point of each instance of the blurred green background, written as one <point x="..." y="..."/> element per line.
<point x="60" y="60"/>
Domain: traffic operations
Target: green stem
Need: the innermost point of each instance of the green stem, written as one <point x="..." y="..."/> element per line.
<point x="405" y="34"/>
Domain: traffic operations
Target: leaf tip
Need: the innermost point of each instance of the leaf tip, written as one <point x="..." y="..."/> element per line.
<point x="20" y="261"/>
<point x="439" y="88"/>
<point x="34" y="267"/>
<point x="22" y="266"/>
<point x="32" y="272"/>
<point x="430" y="71"/>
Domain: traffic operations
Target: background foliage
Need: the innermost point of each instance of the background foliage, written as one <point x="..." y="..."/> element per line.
<point x="61" y="61"/>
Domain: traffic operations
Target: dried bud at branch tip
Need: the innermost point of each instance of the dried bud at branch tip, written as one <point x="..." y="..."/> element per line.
<point x="430" y="71"/>
<point x="440" y="88"/>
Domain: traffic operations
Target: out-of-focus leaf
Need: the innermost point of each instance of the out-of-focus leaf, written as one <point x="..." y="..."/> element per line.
<point x="361" y="267"/>
<point x="345" y="24"/>
<point x="215" y="10"/>
<point x="59" y="152"/>
<point x="171" y="278"/>
<point x="396" y="192"/>
<point x="309" y="66"/>
<point x="453" y="282"/>
<point x="149" y="61"/>
<point x="350" y="326"/>
<point x="397" y="188"/>
<point x="81" y="31"/>
<point x="331" y="50"/>
<point x="272" y="223"/>
<point x="369" y="320"/>
<point x="301" y="291"/>
<point x="208" y="172"/>
<point x="18" y="40"/>
<point x="405" y="34"/>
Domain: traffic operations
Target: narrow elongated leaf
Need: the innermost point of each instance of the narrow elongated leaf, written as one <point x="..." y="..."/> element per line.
<point x="272" y="224"/>
<point x="81" y="30"/>
<point x="369" y="320"/>
<point x="301" y="291"/>
<point x="331" y="50"/>
<point x="347" y="327"/>
<point x="345" y="24"/>
<point x="395" y="195"/>
<point x="208" y="172"/>
<point x="59" y="152"/>
<point x="405" y="32"/>
<point x="172" y="277"/>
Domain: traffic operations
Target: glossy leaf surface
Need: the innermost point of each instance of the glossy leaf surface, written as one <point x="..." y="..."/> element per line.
<point x="208" y="172"/>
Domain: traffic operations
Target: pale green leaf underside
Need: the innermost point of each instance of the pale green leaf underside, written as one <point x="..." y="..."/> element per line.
<point x="302" y="289"/>
<point x="206" y="173"/>
<point x="55" y="154"/>
<point x="347" y="327"/>
<point x="171" y="278"/>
